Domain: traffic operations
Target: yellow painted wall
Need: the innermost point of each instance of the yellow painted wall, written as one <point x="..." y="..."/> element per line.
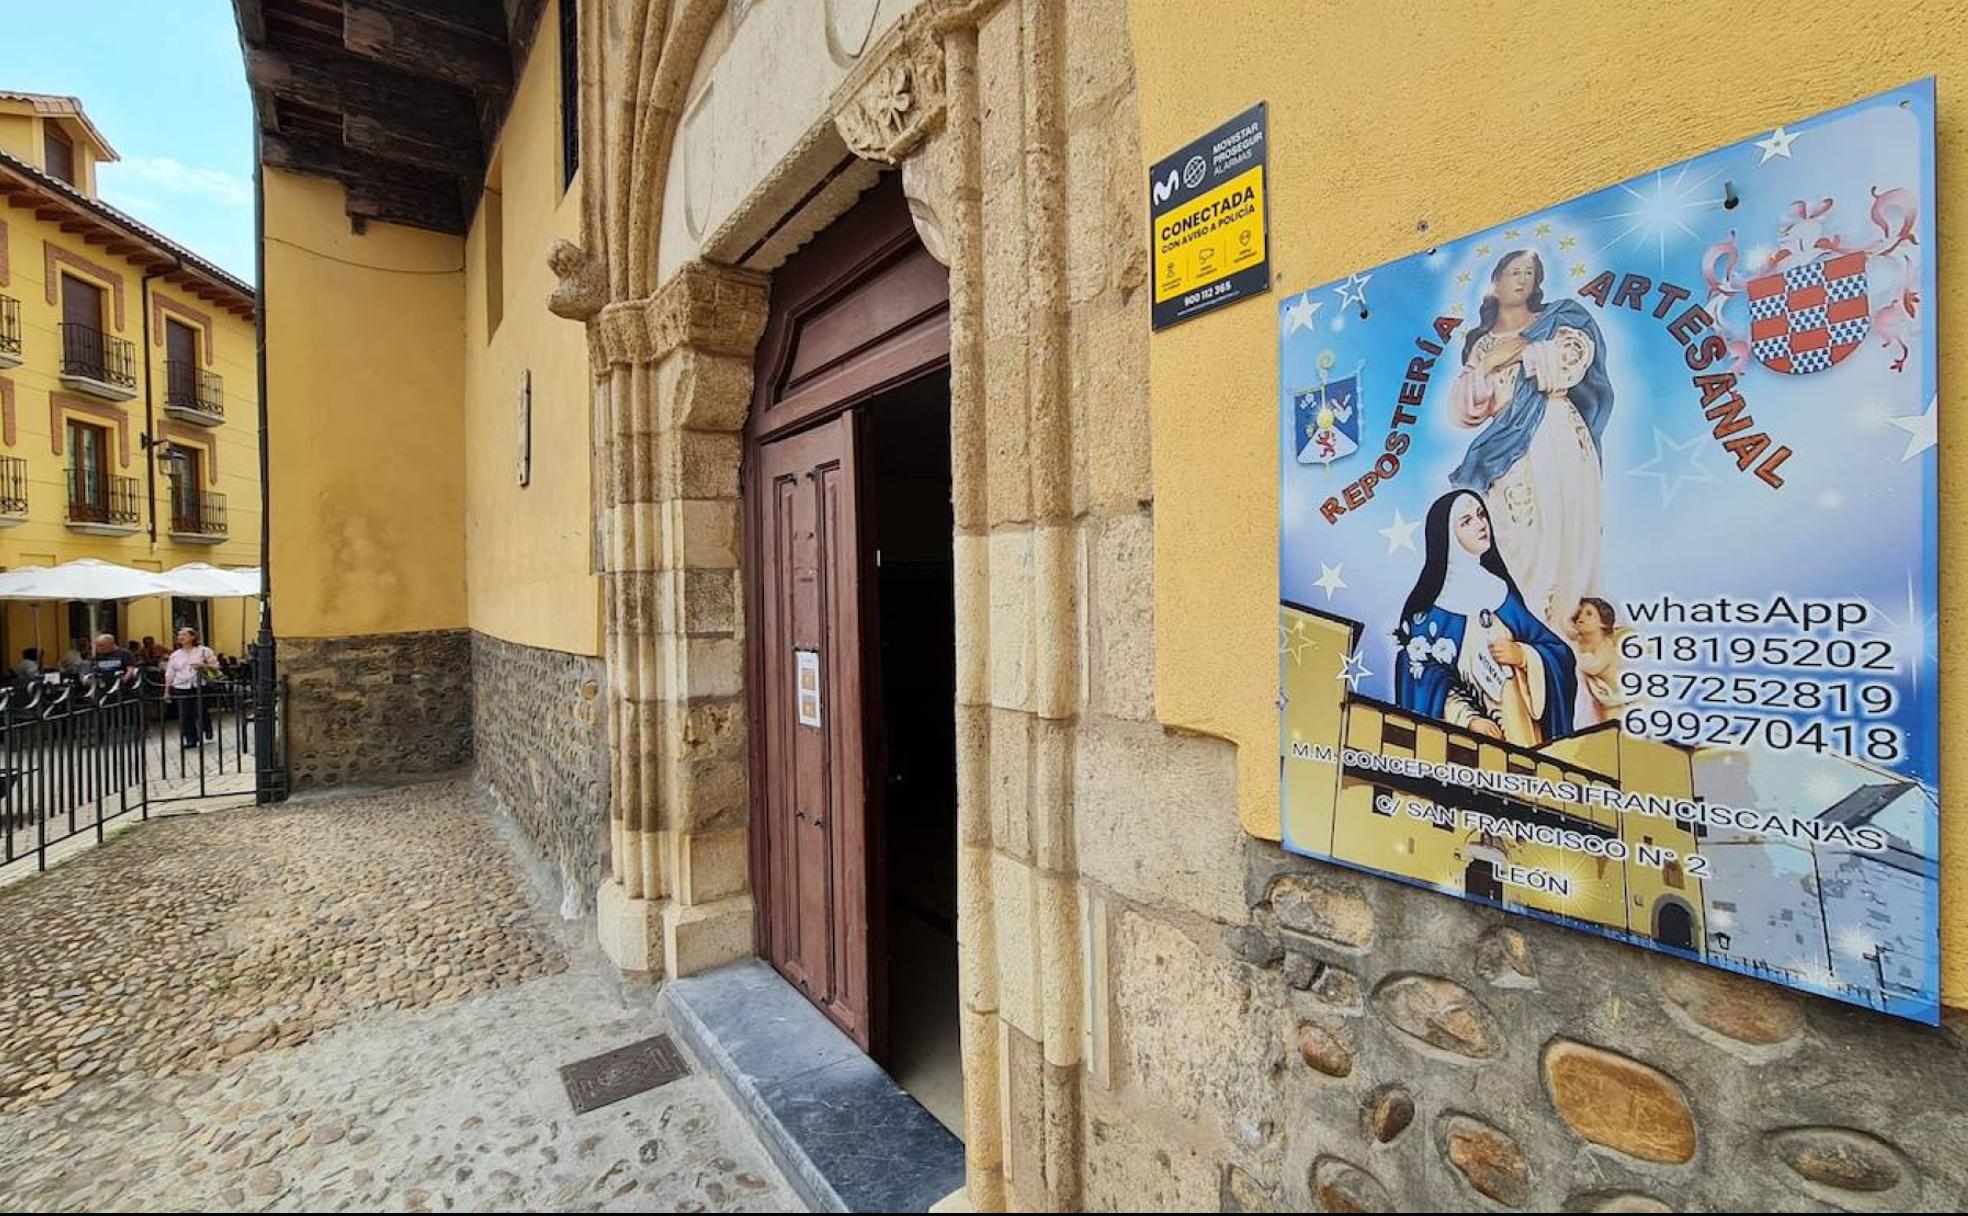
<point x="1462" y="116"/>
<point x="20" y="135"/>
<point x="365" y="364"/>
<point x="232" y="448"/>
<point x="528" y="563"/>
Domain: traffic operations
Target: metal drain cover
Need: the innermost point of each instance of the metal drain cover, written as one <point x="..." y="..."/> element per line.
<point x="623" y="1073"/>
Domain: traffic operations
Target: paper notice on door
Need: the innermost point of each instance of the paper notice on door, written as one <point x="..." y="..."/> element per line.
<point x="806" y="669"/>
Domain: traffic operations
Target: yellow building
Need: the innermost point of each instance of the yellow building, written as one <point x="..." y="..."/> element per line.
<point x="129" y="415"/>
<point x="1373" y="785"/>
<point x="668" y="314"/>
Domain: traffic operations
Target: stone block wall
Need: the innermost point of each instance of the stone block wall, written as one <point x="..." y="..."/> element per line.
<point x="540" y="731"/>
<point x="1359" y="1045"/>
<point x="377" y="707"/>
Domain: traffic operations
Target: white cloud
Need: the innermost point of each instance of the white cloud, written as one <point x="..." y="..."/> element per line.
<point x="170" y="174"/>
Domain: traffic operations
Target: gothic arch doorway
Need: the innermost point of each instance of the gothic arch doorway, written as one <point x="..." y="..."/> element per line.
<point x="850" y="594"/>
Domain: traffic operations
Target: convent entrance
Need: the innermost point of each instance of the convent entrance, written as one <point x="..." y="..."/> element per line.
<point x="849" y="589"/>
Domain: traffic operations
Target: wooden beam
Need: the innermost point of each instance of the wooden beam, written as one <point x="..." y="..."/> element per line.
<point x="377" y="188"/>
<point x="252" y="21"/>
<point x="412" y="146"/>
<point x="360" y="87"/>
<point x="406" y="39"/>
<point x="375" y="200"/>
<point x="485" y="18"/>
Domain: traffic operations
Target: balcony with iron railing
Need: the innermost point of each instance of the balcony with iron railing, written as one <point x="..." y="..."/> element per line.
<point x="13" y="491"/>
<point x="103" y="504"/>
<point x="192" y="394"/>
<point x="198" y="517"/>
<point x="99" y="364"/>
<point x="10" y="332"/>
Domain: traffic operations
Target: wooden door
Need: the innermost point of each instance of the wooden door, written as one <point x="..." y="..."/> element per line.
<point x="811" y="721"/>
<point x="82" y="302"/>
<point x="180" y="364"/>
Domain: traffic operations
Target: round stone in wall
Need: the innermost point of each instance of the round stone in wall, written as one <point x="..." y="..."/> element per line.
<point x="1331" y="911"/>
<point x="1387" y="1112"/>
<point x="1341" y="1186"/>
<point x="1615" y="1201"/>
<point x="1619" y="1103"/>
<point x="1744" y="1013"/>
<point x="1439" y="1013"/>
<point x="1844" y="1166"/>
<point x="1503" y="957"/>
<point x="1324" y="1050"/>
<point x="1487" y="1158"/>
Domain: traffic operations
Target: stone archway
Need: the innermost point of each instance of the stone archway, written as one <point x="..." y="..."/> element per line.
<point x="1045" y="330"/>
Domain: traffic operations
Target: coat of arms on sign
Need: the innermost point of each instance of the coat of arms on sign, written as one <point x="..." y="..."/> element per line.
<point x="1328" y="417"/>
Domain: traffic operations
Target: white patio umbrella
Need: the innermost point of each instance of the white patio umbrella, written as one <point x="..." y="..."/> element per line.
<point x="85" y="578"/>
<point x="201" y="580"/>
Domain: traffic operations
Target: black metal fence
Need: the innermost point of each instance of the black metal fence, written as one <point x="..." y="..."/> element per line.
<point x="78" y="753"/>
<point x="94" y="355"/>
<point x="193" y="389"/>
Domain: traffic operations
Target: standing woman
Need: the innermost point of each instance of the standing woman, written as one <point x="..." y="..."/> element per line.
<point x="183" y="673"/>
<point x="1534" y="380"/>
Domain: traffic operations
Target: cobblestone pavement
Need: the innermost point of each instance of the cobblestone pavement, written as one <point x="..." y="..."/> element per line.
<point x="349" y="1004"/>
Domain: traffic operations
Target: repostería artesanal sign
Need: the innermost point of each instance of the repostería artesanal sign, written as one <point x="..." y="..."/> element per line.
<point x="1608" y="565"/>
<point x="1207" y="219"/>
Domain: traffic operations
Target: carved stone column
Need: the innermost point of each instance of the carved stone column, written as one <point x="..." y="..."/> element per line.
<point x="967" y="99"/>
<point x="673" y="385"/>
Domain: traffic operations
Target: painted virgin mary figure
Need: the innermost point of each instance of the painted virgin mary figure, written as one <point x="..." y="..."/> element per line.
<point x="1469" y="651"/>
<point x="1534" y="379"/>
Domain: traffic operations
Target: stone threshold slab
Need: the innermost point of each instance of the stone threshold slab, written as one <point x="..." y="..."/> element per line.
<point x="847" y="1137"/>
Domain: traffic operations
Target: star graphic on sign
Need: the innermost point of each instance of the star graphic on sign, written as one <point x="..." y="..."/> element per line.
<point x="1328" y="580"/>
<point x="1458" y="308"/>
<point x="1353" y="669"/>
<point x="1543" y="229"/>
<point x="1299" y="316"/>
<point x="1921" y="430"/>
<point x="1673" y="465"/>
<point x="1483" y="250"/>
<point x="1510" y="234"/>
<point x="1578" y="270"/>
<point x="1565" y="243"/>
<point x="1907" y="634"/>
<point x="1353" y="290"/>
<point x="1777" y="145"/>
<point x="1401" y="533"/>
<point x="1462" y="280"/>
<point x="1294" y="641"/>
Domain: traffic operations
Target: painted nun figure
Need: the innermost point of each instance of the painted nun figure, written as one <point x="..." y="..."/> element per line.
<point x="1469" y="651"/>
<point x="1534" y="379"/>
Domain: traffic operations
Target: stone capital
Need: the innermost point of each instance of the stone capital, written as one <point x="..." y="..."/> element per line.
<point x="896" y="97"/>
<point x="717" y="309"/>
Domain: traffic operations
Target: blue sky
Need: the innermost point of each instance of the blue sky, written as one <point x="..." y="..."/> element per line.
<point x="163" y="81"/>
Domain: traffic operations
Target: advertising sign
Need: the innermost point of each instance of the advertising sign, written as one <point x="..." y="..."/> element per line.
<point x="1608" y="569"/>
<point x="1206" y="214"/>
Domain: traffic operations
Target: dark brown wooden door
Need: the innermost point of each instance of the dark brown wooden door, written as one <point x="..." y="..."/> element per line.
<point x="815" y="800"/>
<point x="180" y="364"/>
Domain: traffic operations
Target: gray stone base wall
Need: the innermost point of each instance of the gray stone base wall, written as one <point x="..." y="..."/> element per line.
<point x="1359" y="1045"/>
<point x="377" y="707"/>
<point x="540" y="726"/>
